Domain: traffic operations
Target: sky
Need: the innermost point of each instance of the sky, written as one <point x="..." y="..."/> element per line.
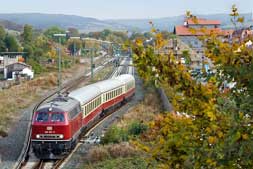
<point x="124" y="9"/>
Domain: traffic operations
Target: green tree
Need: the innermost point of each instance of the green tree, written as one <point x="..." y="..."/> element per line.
<point x="27" y="34"/>
<point x="49" y="33"/>
<point x="187" y="57"/>
<point x="11" y="43"/>
<point x="2" y="37"/>
<point x="28" y="49"/>
<point x="2" y="32"/>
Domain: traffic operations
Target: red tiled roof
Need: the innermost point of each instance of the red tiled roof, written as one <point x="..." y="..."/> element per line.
<point x="185" y="31"/>
<point x="200" y="21"/>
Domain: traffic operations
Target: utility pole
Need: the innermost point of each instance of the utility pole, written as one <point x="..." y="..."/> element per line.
<point x="59" y="61"/>
<point x="91" y="62"/>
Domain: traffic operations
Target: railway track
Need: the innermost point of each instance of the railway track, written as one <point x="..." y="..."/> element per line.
<point x="42" y="164"/>
<point x="67" y="87"/>
<point x="123" y="68"/>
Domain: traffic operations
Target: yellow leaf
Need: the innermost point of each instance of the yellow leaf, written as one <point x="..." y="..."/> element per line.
<point x="208" y="130"/>
<point x="139" y="42"/>
<point x="153" y="30"/>
<point x="211" y="115"/>
<point x="220" y="134"/>
<point x="212" y="140"/>
<point x="245" y="136"/>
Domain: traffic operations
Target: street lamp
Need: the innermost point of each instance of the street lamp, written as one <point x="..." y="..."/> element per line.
<point x="59" y="35"/>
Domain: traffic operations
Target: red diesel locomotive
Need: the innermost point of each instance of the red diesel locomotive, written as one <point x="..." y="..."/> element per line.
<point x="58" y="123"/>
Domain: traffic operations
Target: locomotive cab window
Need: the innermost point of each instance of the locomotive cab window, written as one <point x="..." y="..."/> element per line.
<point x="57" y="117"/>
<point x="42" y="117"/>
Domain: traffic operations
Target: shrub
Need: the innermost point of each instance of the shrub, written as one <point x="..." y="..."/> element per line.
<point x="114" y="135"/>
<point x="137" y="128"/>
<point x="96" y="154"/>
<point x="35" y="66"/>
<point x="121" y="150"/>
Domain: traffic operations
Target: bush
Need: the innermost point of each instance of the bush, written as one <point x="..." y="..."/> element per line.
<point x="35" y="66"/>
<point x="137" y="128"/>
<point x="121" y="150"/>
<point x="114" y="135"/>
<point x="96" y="154"/>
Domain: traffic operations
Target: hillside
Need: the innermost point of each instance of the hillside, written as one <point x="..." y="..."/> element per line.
<point x="168" y="23"/>
<point x="87" y="24"/>
<point x="43" y="21"/>
<point x="11" y="25"/>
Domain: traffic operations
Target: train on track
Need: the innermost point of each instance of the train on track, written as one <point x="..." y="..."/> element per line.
<point x="57" y="124"/>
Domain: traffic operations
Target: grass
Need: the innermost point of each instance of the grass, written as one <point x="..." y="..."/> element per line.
<point x="19" y="97"/>
<point x="119" y="163"/>
<point x="118" y="156"/>
<point x="145" y="111"/>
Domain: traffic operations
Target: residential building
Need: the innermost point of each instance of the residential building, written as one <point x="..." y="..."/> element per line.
<point x="189" y="33"/>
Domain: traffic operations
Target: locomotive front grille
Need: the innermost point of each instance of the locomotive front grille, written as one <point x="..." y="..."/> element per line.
<point x="49" y="136"/>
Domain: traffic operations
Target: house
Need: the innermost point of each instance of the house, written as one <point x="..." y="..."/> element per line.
<point x="242" y="34"/>
<point x="199" y="27"/>
<point x="192" y="29"/>
<point x="13" y="70"/>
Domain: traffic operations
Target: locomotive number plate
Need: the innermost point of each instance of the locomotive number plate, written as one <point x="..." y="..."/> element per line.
<point x="49" y="128"/>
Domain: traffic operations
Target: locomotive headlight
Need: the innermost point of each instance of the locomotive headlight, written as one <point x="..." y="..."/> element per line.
<point x="61" y="136"/>
<point x="37" y="136"/>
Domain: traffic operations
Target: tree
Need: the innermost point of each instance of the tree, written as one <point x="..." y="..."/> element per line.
<point x="2" y="33"/>
<point x="27" y="34"/>
<point x="213" y="127"/>
<point x="73" y="32"/>
<point x="187" y="57"/>
<point x="49" y="33"/>
<point x="11" y="43"/>
<point x="28" y="49"/>
<point x="74" y="45"/>
<point x="2" y="37"/>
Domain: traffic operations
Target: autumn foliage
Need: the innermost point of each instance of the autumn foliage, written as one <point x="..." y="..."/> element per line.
<point x="209" y="128"/>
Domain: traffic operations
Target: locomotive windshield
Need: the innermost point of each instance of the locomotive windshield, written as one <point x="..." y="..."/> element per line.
<point x="50" y="117"/>
<point x="42" y="117"/>
<point x="57" y="117"/>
